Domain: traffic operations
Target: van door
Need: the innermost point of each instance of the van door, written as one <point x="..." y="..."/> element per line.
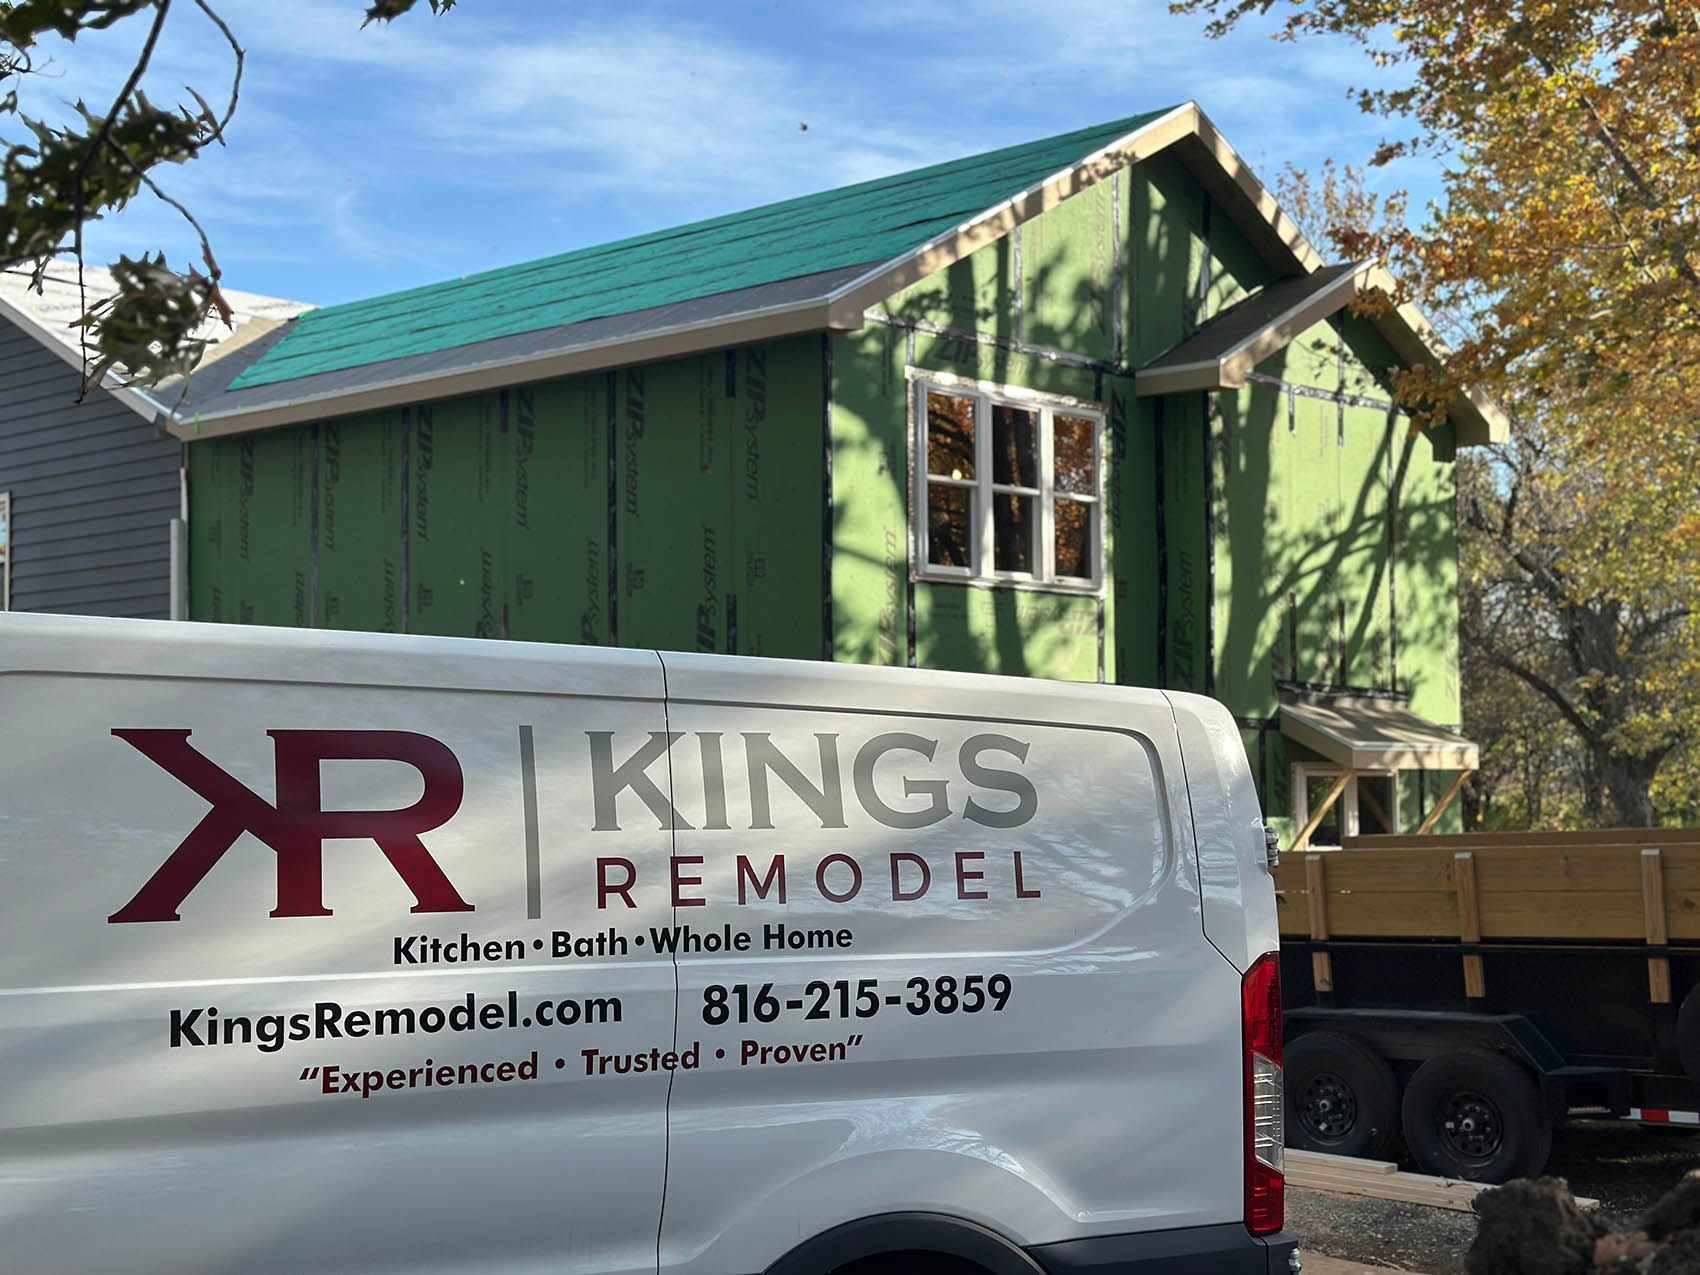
<point x="940" y="949"/>
<point x="301" y="953"/>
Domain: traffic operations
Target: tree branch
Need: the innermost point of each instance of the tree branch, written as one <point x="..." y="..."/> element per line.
<point x="1547" y="691"/>
<point x="1649" y="197"/>
<point x="236" y="80"/>
<point x="80" y="208"/>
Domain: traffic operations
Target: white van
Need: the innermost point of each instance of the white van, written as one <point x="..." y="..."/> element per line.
<point x="349" y="952"/>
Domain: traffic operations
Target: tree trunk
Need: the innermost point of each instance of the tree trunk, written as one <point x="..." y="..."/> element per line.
<point x="1593" y="786"/>
<point x="1629" y="780"/>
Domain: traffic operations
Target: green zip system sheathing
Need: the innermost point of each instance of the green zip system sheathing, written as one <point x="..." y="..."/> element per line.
<point x="1335" y="562"/>
<point x="864" y="224"/>
<point x="359" y="527"/>
<point x="719" y="495"/>
<point x="489" y="516"/>
<point x="1067" y="305"/>
<point x="251" y="511"/>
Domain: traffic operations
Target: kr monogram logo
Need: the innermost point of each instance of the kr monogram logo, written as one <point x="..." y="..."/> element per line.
<point x="296" y="827"/>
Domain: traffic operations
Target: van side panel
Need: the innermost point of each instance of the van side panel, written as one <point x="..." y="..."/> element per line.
<point x="948" y="958"/>
<point x="280" y="978"/>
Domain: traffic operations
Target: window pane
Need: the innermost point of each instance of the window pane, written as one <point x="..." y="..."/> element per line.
<point x="1012" y="531"/>
<point x="1074" y="454"/>
<point x="1015" y="446"/>
<point x="948" y="525"/>
<point x="950" y="436"/>
<point x="1076" y="551"/>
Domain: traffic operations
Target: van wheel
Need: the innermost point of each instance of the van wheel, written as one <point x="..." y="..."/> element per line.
<point x="1341" y="1097"/>
<point x="1476" y="1116"/>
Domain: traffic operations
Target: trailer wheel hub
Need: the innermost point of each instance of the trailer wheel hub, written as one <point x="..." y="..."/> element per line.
<point x="1329" y="1109"/>
<point x="1472" y="1125"/>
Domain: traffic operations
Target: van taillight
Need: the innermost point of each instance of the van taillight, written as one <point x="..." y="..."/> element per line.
<point x="1260" y="1001"/>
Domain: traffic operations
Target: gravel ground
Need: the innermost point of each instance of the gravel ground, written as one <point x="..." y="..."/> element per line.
<point x="1408" y="1237"/>
<point x="1623" y="1166"/>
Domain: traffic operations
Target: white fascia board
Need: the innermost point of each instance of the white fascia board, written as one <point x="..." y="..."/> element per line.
<point x="1479" y="419"/>
<point x="1233" y="183"/>
<point x="849" y="300"/>
<point x="500" y="373"/>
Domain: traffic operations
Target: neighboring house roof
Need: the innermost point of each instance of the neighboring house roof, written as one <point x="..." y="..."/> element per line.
<point x="803" y="265"/>
<point x="50" y="316"/>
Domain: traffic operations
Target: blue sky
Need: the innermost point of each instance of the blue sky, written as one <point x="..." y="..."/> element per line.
<point x="364" y="161"/>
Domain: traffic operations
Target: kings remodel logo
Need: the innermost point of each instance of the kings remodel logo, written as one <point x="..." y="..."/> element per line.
<point x="981" y="787"/>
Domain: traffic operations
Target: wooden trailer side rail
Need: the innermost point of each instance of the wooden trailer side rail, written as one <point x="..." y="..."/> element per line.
<point x="1640" y="888"/>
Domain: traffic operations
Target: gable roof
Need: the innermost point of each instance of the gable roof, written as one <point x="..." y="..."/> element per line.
<point x="803" y="265"/>
<point x="856" y="226"/>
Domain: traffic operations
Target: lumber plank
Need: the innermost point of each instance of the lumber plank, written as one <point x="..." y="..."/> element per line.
<point x="1446" y="799"/>
<point x="1482" y="840"/>
<point x="1380" y="1180"/>
<point x="1522" y="892"/>
<point x="1301" y="842"/>
<point x="1469" y="922"/>
<point x="1653" y="909"/>
<point x="1316" y="900"/>
<point x="1325" y="1161"/>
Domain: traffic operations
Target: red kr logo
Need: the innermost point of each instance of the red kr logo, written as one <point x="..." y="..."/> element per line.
<point x="297" y="827"/>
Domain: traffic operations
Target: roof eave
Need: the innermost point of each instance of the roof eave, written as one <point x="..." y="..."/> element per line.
<point x="666" y="343"/>
<point x="1479" y="420"/>
<point x="1229" y="370"/>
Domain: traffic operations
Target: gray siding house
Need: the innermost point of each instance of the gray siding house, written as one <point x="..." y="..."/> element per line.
<point x="91" y="492"/>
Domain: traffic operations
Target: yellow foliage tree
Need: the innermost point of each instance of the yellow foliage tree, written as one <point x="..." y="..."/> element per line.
<point x="1580" y="540"/>
<point x="1569" y="131"/>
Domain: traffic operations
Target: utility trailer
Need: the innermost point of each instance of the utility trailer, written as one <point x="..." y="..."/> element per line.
<point x="1467" y="994"/>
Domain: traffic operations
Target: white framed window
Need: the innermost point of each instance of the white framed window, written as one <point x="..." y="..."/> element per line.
<point x="1008" y="486"/>
<point x="5" y="551"/>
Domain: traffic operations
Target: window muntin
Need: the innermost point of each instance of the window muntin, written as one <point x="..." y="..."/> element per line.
<point x="1011" y="488"/>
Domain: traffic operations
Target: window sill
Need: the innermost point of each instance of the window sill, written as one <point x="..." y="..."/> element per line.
<point x="1085" y="589"/>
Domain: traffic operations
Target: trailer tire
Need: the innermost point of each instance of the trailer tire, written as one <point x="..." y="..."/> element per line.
<point x="1342" y="1097"/>
<point x="1476" y="1116"/>
<point x="1688" y="1033"/>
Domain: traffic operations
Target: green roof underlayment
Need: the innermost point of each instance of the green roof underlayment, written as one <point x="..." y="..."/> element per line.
<point x="868" y="223"/>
